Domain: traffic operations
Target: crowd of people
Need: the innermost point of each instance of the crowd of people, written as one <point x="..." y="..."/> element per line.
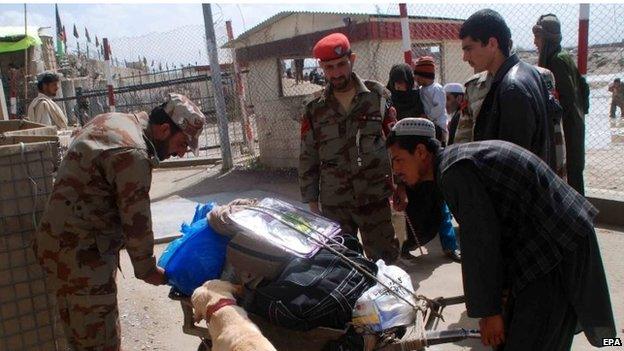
<point x="503" y="153"/>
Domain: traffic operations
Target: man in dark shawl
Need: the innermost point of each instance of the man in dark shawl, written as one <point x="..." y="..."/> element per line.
<point x="531" y="265"/>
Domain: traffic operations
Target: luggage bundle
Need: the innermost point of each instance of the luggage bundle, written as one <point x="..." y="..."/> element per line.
<point x="299" y="272"/>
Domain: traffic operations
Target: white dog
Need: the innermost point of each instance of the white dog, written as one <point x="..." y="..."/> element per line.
<point x="230" y="328"/>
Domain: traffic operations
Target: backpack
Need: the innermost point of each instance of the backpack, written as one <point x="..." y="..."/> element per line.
<point x="320" y="291"/>
<point x="254" y="260"/>
<point x="252" y="257"/>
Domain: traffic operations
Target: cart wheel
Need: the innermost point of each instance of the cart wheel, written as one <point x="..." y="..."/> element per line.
<point x="205" y="345"/>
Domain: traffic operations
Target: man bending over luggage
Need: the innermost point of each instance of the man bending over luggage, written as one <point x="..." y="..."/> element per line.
<point x="99" y="204"/>
<point x="526" y="236"/>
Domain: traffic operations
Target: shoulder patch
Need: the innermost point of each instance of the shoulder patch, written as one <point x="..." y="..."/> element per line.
<point x="313" y="97"/>
<point x="476" y="77"/>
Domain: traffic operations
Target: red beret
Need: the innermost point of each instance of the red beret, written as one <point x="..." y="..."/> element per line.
<point x="332" y="47"/>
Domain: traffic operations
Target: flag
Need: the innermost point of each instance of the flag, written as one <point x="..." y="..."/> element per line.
<point x="60" y="33"/>
<point x="144" y="61"/>
<point x="87" y="35"/>
<point x="97" y="42"/>
<point x="152" y="65"/>
<point x="76" y="32"/>
<point x="64" y="39"/>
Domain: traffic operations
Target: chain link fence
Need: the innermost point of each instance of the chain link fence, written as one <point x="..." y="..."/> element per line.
<point x="604" y="136"/>
<point x="146" y="68"/>
<point x="278" y="74"/>
<point x="165" y="68"/>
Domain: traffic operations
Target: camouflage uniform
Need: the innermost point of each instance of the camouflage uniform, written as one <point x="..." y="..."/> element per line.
<point x="477" y="88"/>
<point x="344" y="164"/>
<point x="99" y="204"/>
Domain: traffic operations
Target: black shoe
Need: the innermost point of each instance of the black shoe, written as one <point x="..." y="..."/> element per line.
<point x="454" y="255"/>
<point x="408" y="246"/>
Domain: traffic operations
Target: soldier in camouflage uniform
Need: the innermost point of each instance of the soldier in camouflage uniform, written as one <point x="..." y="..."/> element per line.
<point x="343" y="164"/>
<point x="99" y="204"/>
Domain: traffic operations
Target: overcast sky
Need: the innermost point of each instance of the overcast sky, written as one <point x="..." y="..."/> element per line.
<point x="174" y="32"/>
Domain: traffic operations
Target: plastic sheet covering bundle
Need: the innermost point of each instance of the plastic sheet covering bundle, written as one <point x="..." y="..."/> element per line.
<point x="277" y="222"/>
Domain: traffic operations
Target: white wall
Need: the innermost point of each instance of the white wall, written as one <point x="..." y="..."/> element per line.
<point x="298" y="24"/>
<point x="277" y="119"/>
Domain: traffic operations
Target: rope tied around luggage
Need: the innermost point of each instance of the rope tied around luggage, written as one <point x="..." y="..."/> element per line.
<point x="422" y="307"/>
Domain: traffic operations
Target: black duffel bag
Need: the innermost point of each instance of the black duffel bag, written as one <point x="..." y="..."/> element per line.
<point x="314" y="292"/>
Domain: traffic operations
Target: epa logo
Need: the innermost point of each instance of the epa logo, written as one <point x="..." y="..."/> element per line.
<point x="612" y="342"/>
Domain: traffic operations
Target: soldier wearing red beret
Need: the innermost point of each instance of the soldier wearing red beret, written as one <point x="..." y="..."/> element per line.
<point x="343" y="164"/>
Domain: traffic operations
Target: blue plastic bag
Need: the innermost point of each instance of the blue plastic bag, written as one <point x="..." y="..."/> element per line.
<point x="198" y="256"/>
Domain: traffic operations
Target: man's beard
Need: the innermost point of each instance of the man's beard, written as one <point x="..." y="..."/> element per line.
<point x="162" y="148"/>
<point x="341" y="85"/>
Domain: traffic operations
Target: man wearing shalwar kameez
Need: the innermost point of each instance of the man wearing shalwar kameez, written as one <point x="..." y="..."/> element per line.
<point x="531" y="265"/>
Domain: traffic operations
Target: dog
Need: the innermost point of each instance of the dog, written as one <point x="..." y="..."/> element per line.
<point x="229" y="326"/>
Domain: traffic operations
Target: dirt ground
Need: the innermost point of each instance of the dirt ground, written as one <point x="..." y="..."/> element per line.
<point x="151" y="321"/>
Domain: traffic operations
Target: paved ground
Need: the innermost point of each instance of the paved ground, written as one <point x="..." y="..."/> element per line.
<point x="151" y="321"/>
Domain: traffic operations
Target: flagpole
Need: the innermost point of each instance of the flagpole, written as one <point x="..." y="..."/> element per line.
<point x="59" y="35"/>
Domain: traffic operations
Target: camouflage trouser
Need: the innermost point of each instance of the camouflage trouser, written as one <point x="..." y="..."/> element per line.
<point x="86" y="295"/>
<point x="374" y="221"/>
<point x="90" y="322"/>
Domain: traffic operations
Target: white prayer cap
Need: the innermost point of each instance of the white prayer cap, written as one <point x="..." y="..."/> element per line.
<point x="455" y="88"/>
<point x="415" y="127"/>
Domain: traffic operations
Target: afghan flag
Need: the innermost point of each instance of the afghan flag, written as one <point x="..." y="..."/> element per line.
<point x="87" y="35"/>
<point x="76" y="32"/>
<point x="60" y="33"/>
<point x="97" y="42"/>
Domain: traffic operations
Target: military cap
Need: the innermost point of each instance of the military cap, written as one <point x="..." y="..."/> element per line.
<point x="331" y="47"/>
<point x="186" y="115"/>
<point x="421" y="127"/>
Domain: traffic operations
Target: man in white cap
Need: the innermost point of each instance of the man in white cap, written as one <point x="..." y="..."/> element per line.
<point x="454" y="107"/>
<point x="100" y="203"/>
<point x="526" y="237"/>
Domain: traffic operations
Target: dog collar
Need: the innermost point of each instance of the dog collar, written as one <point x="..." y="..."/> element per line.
<point x="220" y="304"/>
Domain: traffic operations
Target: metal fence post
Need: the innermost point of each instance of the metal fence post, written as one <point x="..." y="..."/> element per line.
<point x="240" y="92"/>
<point x="583" y="38"/>
<point x="215" y="70"/>
<point x="405" y="34"/>
<point x="4" y="111"/>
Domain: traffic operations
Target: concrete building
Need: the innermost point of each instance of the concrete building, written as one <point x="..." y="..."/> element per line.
<point x="376" y="40"/>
